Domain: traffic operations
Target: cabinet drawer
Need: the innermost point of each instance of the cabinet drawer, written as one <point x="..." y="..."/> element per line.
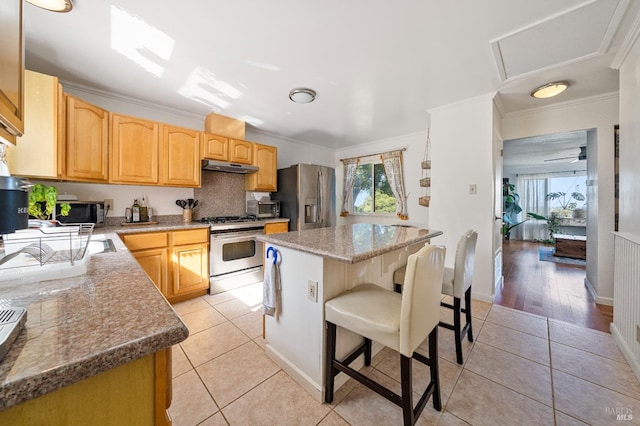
<point x="191" y="236"/>
<point x="146" y="240"/>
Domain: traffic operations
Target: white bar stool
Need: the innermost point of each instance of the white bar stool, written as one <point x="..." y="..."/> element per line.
<point x="399" y="321"/>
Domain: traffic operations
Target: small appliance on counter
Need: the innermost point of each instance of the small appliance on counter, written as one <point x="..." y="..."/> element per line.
<point x="263" y="208"/>
<point x="82" y="212"/>
<point x="14" y="204"/>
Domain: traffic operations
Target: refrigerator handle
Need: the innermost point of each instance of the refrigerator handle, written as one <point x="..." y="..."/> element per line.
<point x="319" y="196"/>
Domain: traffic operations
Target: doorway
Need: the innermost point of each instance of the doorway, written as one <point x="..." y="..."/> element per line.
<point x="536" y="166"/>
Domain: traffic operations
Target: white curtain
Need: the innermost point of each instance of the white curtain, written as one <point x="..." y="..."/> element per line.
<point x="350" y="167"/>
<point x="392" y="162"/>
<point x="532" y="190"/>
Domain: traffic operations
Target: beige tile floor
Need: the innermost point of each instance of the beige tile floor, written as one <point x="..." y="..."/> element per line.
<point x="521" y="369"/>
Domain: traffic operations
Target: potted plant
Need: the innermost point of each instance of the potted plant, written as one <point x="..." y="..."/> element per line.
<point x="42" y="202"/>
<point x="553" y="224"/>
<point x="568" y="202"/>
<point x="511" y="207"/>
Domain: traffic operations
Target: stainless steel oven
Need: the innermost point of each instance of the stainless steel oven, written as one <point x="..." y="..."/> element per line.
<point x="235" y="256"/>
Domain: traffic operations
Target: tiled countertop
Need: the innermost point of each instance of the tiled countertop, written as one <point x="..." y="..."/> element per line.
<point x="351" y="243"/>
<point x="80" y="326"/>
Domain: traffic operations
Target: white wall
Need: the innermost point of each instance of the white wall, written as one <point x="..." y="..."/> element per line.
<point x="601" y="114"/>
<point x="463" y="140"/>
<point x="415" y="144"/>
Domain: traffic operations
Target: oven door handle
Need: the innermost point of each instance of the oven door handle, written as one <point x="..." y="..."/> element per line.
<point x="234" y="235"/>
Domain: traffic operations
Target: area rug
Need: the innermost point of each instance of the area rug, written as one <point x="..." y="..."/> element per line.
<point x="546" y="255"/>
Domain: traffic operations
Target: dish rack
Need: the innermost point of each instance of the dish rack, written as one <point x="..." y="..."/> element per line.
<point x="46" y="252"/>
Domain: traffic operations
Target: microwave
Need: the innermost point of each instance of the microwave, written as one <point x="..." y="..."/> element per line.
<point x="82" y="212"/>
<point x="263" y="208"/>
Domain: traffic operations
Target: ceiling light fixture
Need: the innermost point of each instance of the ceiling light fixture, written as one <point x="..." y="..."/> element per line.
<point x="62" y="6"/>
<point x="550" y="89"/>
<point x="302" y="95"/>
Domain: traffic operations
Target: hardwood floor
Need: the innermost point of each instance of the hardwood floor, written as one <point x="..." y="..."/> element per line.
<point x="549" y="289"/>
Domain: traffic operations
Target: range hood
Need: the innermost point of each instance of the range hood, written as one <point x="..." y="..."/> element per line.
<point x="222" y="166"/>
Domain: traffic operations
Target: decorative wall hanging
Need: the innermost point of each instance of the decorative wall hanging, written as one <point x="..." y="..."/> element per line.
<point x="425" y="181"/>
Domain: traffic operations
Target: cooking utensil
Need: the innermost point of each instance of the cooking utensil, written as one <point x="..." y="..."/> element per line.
<point x="181" y="203"/>
<point x="195" y="204"/>
<point x="190" y="202"/>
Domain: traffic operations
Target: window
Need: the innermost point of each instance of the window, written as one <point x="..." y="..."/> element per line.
<point x="371" y="190"/>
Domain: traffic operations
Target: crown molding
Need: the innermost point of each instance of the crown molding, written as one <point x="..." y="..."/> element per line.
<point x="132" y="101"/>
<point x="627" y="44"/>
<point x="575" y="102"/>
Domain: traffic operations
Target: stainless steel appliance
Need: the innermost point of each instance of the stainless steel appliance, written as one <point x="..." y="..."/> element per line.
<point x="14" y="204"/>
<point x="235" y="257"/>
<point x="82" y="212"/>
<point x="263" y="208"/>
<point x="307" y="195"/>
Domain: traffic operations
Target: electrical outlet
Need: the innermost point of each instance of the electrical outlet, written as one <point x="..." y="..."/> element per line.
<point x="108" y="204"/>
<point x="312" y="291"/>
<point x="473" y="189"/>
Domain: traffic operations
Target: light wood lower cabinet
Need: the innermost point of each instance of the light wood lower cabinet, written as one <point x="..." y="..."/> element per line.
<point x="136" y="393"/>
<point x="177" y="262"/>
<point x="276" y="227"/>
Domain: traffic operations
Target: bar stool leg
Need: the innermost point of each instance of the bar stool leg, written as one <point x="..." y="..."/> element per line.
<point x="330" y="355"/>
<point x="434" y="367"/>
<point x="467" y="303"/>
<point x="457" y="328"/>
<point x="407" y="390"/>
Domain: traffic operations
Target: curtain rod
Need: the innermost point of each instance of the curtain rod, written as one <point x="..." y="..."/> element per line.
<point x="375" y="153"/>
<point x="571" y="172"/>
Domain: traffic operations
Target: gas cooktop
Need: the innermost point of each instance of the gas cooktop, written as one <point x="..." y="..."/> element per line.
<point x="233" y="223"/>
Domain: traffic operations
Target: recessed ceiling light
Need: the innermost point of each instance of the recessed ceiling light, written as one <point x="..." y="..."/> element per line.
<point x="302" y="95"/>
<point x="53" y="5"/>
<point x="550" y="89"/>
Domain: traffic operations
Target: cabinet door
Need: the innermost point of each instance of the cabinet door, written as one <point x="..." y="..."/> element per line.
<point x="190" y="265"/>
<point x="180" y="156"/>
<point x="265" y="179"/>
<point x="240" y="151"/>
<point x="276" y="227"/>
<point x="11" y="70"/>
<point x="134" y="150"/>
<point x="154" y="263"/>
<point x="215" y="147"/>
<point x="87" y="133"/>
<point x="42" y="104"/>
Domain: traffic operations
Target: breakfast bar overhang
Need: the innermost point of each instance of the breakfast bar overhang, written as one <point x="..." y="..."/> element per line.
<point x="316" y="265"/>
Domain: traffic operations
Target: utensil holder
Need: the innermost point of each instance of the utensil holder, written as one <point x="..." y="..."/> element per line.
<point x="187" y="215"/>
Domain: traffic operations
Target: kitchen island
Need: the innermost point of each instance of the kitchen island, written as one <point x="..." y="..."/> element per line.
<point x="96" y="348"/>
<point x="317" y="265"/>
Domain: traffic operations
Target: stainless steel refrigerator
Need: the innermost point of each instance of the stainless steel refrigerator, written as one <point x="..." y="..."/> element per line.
<point x="307" y="195"/>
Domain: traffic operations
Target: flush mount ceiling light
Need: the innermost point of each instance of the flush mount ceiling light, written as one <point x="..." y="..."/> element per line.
<point x="53" y="5"/>
<point x="302" y="95"/>
<point x="550" y="90"/>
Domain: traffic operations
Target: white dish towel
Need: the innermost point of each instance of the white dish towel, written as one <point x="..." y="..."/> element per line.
<point x="270" y="284"/>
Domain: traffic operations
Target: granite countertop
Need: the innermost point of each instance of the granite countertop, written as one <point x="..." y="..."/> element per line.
<point x="167" y="226"/>
<point x="351" y="243"/>
<point x="80" y="326"/>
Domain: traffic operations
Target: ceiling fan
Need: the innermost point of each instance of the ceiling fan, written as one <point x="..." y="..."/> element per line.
<point x="582" y="155"/>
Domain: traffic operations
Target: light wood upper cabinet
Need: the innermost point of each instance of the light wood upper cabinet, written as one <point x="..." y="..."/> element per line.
<point x="179" y="156"/>
<point x="240" y="151"/>
<point x="44" y="105"/>
<point x="135" y="146"/>
<point x="266" y="178"/>
<point x="86" y="141"/>
<point x="215" y="147"/>
<point x="11" y="70"/>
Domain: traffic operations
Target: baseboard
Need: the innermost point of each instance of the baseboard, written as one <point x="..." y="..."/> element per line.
<point x="608" y="301"/>
<point x="480" y="296"/>
<point x="626" y="350"/>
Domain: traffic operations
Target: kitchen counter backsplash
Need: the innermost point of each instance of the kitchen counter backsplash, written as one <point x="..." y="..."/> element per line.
<point x="170" y="219"/>
<point x="221" y="194"/>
